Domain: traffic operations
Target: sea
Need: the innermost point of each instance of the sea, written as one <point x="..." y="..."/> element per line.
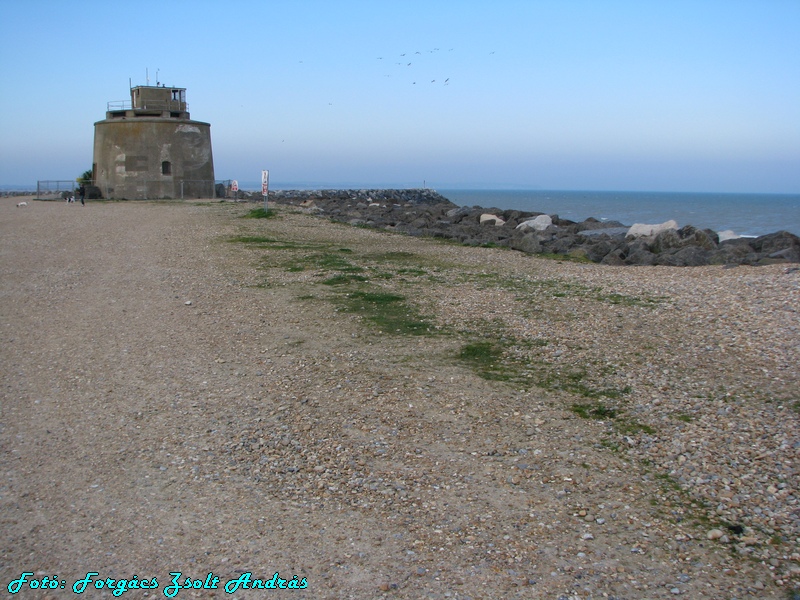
<point x="744" y="214"/>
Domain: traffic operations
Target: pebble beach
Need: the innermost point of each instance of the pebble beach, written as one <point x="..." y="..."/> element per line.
<point x="188" y="390"/>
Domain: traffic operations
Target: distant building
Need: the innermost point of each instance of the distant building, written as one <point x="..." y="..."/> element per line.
<point x="150" y="148"/>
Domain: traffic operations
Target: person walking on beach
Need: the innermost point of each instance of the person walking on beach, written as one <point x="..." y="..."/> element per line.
<point x="82" y="192"/>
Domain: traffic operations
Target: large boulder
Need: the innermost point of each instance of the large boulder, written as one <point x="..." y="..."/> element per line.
<point x="691" y="236"/>
<point x="643" y="229"/>
<point x="690" y="256"/>
<point x="562" y="244"/>
<point x="489" y="219"/>
<point x="732" y="252"/>
<point x="780" y="245"/>
<point x="539" y="223"/>
<point x="665" y="240"/>
<point x="528" y="243"/>
<point x="640" y="256"/>
<point x="614" y="258"/>
<point x="597" y="250"/>
<point x="592" y="224"/>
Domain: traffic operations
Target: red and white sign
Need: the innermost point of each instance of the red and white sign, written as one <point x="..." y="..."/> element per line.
<point x="265" y="182"/>
<point x="234" y="186"/>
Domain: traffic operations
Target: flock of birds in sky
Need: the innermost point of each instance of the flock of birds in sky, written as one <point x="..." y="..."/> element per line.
<point x="408" y="56"/>
<point x="413" y="66"/>
<point x="414" y="59"/>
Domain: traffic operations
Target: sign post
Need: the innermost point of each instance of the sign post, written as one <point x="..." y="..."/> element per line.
<point x="265" y="187"/>
<point x="235" y="190"/>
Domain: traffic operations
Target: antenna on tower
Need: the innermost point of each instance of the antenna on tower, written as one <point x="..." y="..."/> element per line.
<point x="147" y="76"/>
<point x="157" y="81"/>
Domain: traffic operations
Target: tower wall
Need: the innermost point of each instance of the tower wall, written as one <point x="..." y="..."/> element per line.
<point x="141" y="154"/>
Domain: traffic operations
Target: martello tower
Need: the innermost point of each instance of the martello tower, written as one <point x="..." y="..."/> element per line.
<point x="149" y="148"/>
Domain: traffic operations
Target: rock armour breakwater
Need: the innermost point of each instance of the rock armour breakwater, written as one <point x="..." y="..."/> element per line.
<point x="423" y="212"/>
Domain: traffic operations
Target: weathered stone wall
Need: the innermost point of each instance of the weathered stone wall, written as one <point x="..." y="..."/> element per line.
<point x="129" y="158"/>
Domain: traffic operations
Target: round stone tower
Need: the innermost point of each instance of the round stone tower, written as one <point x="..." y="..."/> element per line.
<point x="151" y="149"/>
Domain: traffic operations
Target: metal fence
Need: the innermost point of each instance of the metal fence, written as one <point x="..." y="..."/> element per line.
<point x="55" y="189"/>
<point x="184" y="189"/>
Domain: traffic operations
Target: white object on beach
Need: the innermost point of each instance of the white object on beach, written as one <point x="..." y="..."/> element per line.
<point x="643" y="229"/>
<point x="540" y="223"/>
<point x="486" y="217"/>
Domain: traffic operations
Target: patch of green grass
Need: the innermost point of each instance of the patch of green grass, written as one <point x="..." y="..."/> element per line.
<point x="486" y="359"/>
<point x="669" y="482"/>
<point x="268" y="242"/>
<point x="389" y="312"/>
<point x="573" y="381"/>
<point x="344" y="279"/>
<point x="594" y="411"/>
<point x="378" y="298"/>
<point x="486" y="353"/>
<point x="601" y="412"/>
<point x="253" y="239"/>
<point x="609" y="443"/>
<point x="402" y="263"/>
<point x="329" y="261"/>
<point x="260" y="213"/>
<point x="414" y="272"/>
<point x="396" y="256"/>
<point x="685" y="418"/>
<point x="625" y="300"/>
<point x="631" y="427"/>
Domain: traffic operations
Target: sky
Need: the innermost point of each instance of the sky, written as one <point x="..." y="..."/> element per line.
<point x="697" y="95"/>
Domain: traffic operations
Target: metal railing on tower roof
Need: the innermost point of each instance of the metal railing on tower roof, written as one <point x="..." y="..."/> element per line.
<point x="117" y="105"/>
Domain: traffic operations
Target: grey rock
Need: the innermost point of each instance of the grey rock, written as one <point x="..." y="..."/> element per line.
<point x="614" y="232"/>
<point x="644" y="229"/>
<point x="528" y="243"/>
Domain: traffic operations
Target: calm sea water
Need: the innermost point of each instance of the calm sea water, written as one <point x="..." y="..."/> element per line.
<point x="745" y="214"/>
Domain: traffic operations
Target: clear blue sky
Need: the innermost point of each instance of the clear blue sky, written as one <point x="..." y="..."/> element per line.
<point x="695" y="95"/>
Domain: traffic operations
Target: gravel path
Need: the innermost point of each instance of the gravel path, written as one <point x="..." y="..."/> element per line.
<point x="175" y="401"/>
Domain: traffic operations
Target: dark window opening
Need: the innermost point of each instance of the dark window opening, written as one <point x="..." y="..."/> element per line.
<point x="166" y="168"/>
